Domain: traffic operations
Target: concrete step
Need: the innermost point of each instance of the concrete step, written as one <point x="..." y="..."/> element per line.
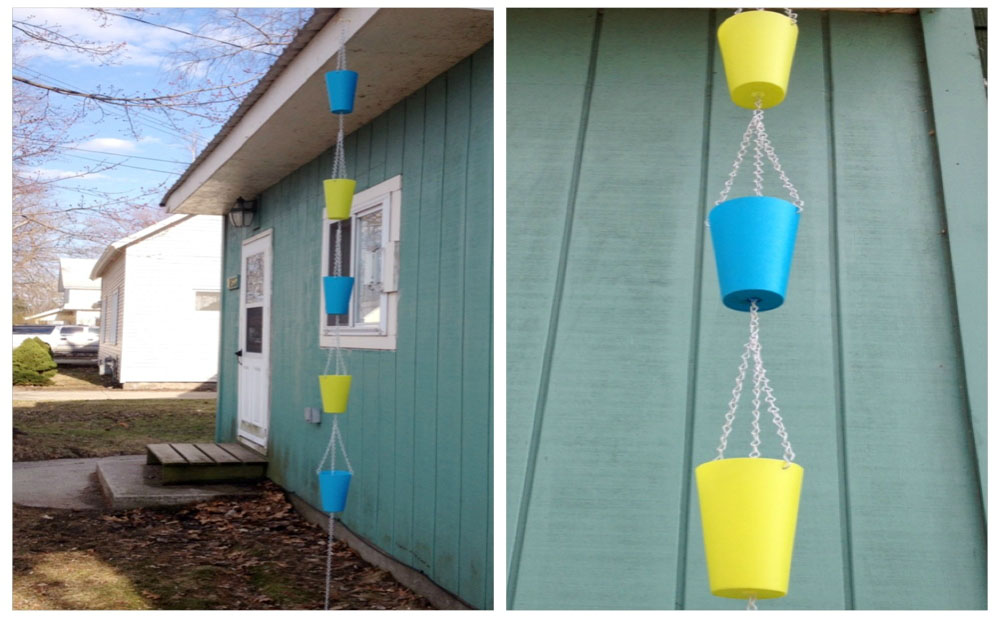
<point x="131" y="483"/>
<point x="206" y="462"/>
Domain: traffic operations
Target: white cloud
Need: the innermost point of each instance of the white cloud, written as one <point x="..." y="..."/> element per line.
<point x="108" y="143"/>
<point x="145" y="46"/>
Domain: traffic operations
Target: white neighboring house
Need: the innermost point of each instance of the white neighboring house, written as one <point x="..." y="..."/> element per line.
<point x="161" y="301"/>
<point x="81" y="295"/>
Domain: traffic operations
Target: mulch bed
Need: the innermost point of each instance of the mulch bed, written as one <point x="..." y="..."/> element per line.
<point x="250" y="553"/>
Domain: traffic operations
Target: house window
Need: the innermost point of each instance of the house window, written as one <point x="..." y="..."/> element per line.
<point x="207" y="301"/>
<point x="370" y="249"/>
<point x="111" y="318"/>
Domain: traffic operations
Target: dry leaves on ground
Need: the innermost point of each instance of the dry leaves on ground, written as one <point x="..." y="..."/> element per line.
<point x="251" y="553"/>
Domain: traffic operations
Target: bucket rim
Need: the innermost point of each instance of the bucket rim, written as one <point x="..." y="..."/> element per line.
<point x="336" y="472"/>
<point x="731" y="460"/>
<point x="755" y="199"/>
<point x="738" y="17"/>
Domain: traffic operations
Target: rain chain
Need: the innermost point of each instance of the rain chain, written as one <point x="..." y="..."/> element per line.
<point x="754" y="239"/>
<point x="338" y="192"/>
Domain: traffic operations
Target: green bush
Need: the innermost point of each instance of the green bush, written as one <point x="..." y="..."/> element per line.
<point x="33" y="363"/>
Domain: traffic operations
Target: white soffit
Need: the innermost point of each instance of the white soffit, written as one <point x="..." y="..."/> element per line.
<point x="394" y="51"/>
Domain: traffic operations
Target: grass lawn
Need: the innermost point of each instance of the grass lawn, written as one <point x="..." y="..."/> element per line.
<point x="79" y="377"/>
<point x="251" y="553"/>
<point x="64" y="429"/>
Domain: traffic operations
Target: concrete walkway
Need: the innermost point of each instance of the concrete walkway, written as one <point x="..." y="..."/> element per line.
<point x="62" y="483"/>
<point x="107" y="394"/>
<point x="121" y="482"/>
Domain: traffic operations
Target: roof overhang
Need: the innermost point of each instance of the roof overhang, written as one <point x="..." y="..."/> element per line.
<point x="395" y="52"/>
<point x="113" y="250"/>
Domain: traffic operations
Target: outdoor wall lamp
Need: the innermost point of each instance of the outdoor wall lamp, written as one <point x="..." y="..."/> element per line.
<point x="241" y="214"/>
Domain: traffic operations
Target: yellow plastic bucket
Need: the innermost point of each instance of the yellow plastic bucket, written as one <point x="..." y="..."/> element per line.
<point x="338" y="193"/>
<point x="335" y="390"/>
<point x="749" y="507"/>
<point x="757" y="50"/>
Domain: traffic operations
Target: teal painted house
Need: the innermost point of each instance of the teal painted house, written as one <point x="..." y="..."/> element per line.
<point x="621" y="357"/>
<point x="417" y="340"/>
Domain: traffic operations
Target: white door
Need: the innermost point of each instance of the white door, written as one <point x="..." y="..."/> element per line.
<point x="254" y="378"/>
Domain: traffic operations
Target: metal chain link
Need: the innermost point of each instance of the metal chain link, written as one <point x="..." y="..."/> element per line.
<point x="338" y="254"/>
<point x="340" y="442"/>
<point x="744" y="144"/>
<point x="792" y="16"/>
<point x="342" y="52"/>
<point x="338" y="270"/>
<point x="329" y="563"/>
<point x="339" y="168"/>
<point x="752" y="348"/>
<point x="331" y="445"/>
<point x="734" y="402"/>
<point x="761" y="382"/>
<point x="758" y="149"/>
<point x="773" y="157"/>
<point x="757" y="375"/>
<point x="762" y="146"/>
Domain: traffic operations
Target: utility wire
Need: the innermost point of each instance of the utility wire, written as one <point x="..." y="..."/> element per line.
<point x="80" y="149"/>
<point x="110" y="165"/>
<point x="184" y="32"/>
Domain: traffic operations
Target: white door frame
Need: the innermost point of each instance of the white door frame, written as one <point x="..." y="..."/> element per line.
<point x="253" y="386"/>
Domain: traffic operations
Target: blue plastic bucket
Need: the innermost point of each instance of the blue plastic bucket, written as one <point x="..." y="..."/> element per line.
<point x="337" y="293"/>
<point x="754" y="238"/>
<point x="340" y="87"/>
<point x="333" y="486"/>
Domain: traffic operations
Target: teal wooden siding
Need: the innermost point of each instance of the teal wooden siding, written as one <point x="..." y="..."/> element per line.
<point x="419" y="422"/>
<point x="621" y="357"/>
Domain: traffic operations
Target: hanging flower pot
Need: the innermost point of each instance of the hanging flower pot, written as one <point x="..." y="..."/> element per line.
<point x="333" y="487"/>
<point x="757" y="50"/>
<point x="749" y="508"/>
<point x="338" y="193"/>
<point x="337" y="293"/>
<point x="340" y="87"/>
<point x="335" y="390"/>
<point x="753" y="238"/>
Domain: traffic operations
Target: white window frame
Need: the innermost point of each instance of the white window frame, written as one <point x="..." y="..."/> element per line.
<point x="387" y="197"/>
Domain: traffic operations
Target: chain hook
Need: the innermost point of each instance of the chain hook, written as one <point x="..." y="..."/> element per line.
<point x="791" y="15"/>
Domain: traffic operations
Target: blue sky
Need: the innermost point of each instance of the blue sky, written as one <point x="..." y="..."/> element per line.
<point x="141" y="67"/>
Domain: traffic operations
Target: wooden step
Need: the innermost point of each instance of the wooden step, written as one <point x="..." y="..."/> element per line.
<point x="206" y="462"/>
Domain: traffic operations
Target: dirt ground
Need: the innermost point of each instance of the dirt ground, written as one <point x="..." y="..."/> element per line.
<point x="251" y="553"/>
<point x="64" y="429"/>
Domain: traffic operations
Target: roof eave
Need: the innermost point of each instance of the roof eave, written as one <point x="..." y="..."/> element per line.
<point x="395" y="51"/>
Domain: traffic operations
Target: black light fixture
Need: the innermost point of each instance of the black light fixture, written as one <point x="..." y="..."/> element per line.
<point x="241" y="214"/>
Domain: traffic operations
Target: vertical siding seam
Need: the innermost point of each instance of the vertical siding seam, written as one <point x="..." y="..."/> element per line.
<point x="847" y="552"/>
<point x="942" y="204"/>
<point x="416" y="319"/>
<point x="437" y="343"/>
<point x="394" y="544"/>
<point x="461" y="345"/>
<point x="696" y="293"/>
<point x="543" y="385"/>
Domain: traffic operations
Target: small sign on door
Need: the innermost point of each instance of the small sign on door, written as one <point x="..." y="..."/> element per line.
<point x="233" y="282"/>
